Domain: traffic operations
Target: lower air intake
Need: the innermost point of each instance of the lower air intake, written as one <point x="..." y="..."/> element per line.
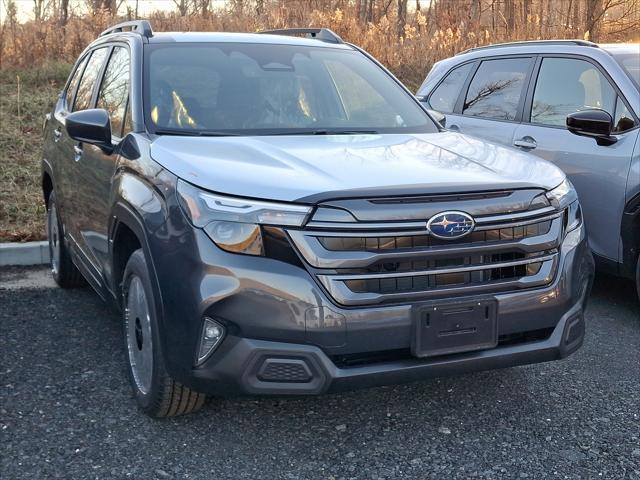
<point x="284" y="370"/>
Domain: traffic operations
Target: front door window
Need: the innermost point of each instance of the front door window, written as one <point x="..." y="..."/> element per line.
<point x="567" y="85"/>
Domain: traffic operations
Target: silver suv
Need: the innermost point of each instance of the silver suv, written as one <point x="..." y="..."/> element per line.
<point x="573" y="103"/>
<point x="279" y="215"/>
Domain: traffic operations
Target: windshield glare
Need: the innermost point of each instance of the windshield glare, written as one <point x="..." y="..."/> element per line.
<point x="263" y="89"/>
<point x="630" y="62"/>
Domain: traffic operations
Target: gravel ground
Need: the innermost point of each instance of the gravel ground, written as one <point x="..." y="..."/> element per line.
<point x="66" y="410"/>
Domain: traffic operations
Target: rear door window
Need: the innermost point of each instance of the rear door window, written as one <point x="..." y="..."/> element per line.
<point x="444" y="97"/>
<point x="89" y="78"/>
<point x="568" y="85"/>
<point x="114" y="90"/>
<point x="497" y="88"/>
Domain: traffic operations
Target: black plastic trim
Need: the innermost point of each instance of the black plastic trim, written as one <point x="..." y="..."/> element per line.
<point x="630" y="235"/>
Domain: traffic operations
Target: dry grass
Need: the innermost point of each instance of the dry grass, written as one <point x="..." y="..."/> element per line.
<point x="25" y="97"/>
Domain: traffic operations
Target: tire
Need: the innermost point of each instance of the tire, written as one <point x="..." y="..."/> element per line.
<point x="64" y="272"/>
<point x="157" y="394"/>
<point x="638" y="277"/>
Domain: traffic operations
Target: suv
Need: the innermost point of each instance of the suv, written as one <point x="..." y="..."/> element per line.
<point x="572" y="102"/>
<point x="279" y="215"/>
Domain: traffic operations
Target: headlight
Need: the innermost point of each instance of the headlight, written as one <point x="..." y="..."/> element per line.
<point x="564" y="196"/>
<point x="234" y="223"/>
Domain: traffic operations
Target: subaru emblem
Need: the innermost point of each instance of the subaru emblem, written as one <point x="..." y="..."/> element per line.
<point x="450" y="225"/>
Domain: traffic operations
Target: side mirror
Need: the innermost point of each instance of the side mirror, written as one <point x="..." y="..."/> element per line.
<point x="594" y="123"/>
<point x="90" y="126"/>
<point x="438" y="117"/>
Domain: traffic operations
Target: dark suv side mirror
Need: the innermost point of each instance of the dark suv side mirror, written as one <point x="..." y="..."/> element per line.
<point x="594" y="123"/>
<point x="90" y="126"/>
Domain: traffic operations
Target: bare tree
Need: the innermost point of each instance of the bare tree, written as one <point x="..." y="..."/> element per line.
<point x="39" y="8"/>
<point x="182" y="6"/>
<point x="109" y="6"/>
<point x="63" y="14"/>
<point x="402" y="16"/>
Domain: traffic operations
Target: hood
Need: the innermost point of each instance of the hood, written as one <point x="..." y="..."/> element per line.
<point x="322" y="167"/>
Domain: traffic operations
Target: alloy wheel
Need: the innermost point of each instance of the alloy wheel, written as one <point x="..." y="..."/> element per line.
<point x="139" y="337"/>
<point x="53" y="232"/>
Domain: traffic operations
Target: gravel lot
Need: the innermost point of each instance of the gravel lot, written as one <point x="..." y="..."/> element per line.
<point x="66" y="410"/>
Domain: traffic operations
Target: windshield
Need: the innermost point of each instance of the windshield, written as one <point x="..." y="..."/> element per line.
<point x="631" y="64"/>
<point x="266" y="89"/>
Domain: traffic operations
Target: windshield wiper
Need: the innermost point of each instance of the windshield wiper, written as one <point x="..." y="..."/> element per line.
<point x="194" y="133"/>
<point x="219" y="133"/>
<point x="327" y="132"/>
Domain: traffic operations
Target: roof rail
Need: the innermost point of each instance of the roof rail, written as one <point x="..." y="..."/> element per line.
<point x="322" y="34"/>
<point x="143" y="27"/>
<point x="582" y="43"/>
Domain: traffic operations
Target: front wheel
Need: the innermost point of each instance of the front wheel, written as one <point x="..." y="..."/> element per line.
<point x="64" y="272"/>
<point x="638" y="277"/>
<point x="157" y="394"/>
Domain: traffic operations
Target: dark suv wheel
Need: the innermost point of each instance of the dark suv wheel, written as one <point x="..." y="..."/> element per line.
<point x="638" y="277"/>
<point x="157" y="394"/>
<point x="64" y="272"/>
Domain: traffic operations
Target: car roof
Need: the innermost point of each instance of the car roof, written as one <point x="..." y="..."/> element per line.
<point x="228" y="37"/>
<point x="581" y="47"/>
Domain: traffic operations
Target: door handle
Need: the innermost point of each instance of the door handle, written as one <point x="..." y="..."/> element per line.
<point x="454" y="127"/>
<point x="57" y="134"/>
<point x="77" y="152"/>
<point x="525" y="142"/>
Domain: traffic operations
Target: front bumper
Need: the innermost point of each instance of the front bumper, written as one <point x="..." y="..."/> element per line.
<point x="284" y="335"/>
<point x="246" y="365"/>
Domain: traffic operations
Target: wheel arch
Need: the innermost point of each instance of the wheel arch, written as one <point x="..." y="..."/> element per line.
<point x="630" y="235"/>
<point x="127" y="234"/>
<point x="46" y="182"/>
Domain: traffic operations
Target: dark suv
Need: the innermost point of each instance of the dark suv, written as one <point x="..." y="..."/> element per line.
<point x="279" y="215"/>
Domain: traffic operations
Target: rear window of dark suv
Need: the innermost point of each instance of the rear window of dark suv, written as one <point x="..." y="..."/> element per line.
<point x="263" y="89"/>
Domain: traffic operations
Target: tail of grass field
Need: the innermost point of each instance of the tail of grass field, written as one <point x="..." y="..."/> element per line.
<point x="26" y="95"/>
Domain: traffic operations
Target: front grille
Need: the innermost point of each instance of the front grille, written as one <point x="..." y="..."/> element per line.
<point x="501" y="270"/>
<point x="384" y="262"/>
<point x="421" y="241"/>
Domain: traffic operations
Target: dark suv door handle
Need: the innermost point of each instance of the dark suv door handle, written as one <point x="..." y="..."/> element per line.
<point x="57" y="134"/>
<point x="77" y="151"/>
<point x="525" y="142"/>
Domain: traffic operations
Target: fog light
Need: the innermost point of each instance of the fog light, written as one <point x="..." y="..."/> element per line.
<point x="212" y="335"/>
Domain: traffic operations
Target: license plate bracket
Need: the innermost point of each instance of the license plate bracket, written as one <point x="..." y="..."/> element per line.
<point x="454" y="327"/>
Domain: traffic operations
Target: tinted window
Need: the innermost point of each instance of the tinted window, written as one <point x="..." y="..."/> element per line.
<point x="114" y="90"/>
<point x="89" y="77"/>
<point x="443" y="99"/>
<point x="568" y="85"/>
<point x="496" y="88"/>
<point x="257" y="89"/>
<point x="73" y="84"/>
